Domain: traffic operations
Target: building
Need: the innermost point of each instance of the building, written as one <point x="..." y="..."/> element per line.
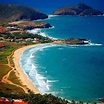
<point x="11" y="101"/>
<point x="2" y="31"/>
<point x="1" y="45"/>
<point x="12" y="28"/>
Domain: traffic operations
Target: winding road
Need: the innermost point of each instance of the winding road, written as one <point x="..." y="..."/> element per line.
<point x="5" y="77"/>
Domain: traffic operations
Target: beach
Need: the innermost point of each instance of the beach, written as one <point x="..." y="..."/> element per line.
<point x="20" y="74"/>
<point x="70" y="72"/>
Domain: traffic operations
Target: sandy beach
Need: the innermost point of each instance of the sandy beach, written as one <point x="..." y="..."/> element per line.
<point x="24" y="79"/>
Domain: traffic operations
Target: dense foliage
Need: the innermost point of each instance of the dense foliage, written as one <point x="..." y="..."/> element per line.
<point x="32" y="98"/>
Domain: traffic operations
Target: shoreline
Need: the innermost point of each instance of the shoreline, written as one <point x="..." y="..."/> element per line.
<point x="20" y="73"/>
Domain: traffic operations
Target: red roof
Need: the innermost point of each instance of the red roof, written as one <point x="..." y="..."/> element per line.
<point x="1" y="31"/>
<point x="20" y="102"/>
<point x="1" y="45"/>
<point x="6" y="101"/>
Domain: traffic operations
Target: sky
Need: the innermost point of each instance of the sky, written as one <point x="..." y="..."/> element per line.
<point x="49" y="6"/>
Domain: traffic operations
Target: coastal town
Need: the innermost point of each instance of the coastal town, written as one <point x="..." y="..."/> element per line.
<point x="17" y="32"/>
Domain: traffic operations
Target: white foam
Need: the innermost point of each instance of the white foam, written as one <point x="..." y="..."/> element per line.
<point x="39" y="79"/>
<point x="40" y="19"/>
<point x="34" y="31"/>
<point x="95" y="44"/>
<point x="38" y="31"/>
<point x="43" y="34"/>
<point x="32" y="72"/>
<point x="60" y="48"/>
<point x="31" y="56"/>
<point x="40" y="48"/>
<point x="90" y="44"/>
<point x="49" y="16"/>
<point x="50" y="81"/>
<point x="52" y="27"/>
<point x="31" y="69"/>
<point x="46" y="35"/>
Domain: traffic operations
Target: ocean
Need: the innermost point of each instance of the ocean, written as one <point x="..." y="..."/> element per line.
<point x="70" y="72"/>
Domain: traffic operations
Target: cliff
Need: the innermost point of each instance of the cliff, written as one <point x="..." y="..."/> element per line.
<point x="81" y="10"/>
<point x="10" y="13"/>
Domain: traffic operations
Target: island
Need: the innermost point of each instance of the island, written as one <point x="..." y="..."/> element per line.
<point x="81" y="10"/>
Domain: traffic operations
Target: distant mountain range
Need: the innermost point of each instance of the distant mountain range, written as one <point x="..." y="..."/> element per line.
<point x="81" y="10"/>
<point x="9" y="13"/>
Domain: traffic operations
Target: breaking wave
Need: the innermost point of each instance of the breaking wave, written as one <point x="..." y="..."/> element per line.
<point x="38" y="31"/>
<point x="31" y="69"/>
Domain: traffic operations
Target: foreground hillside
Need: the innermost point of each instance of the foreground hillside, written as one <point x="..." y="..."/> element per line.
<point x="10" y="13"/>
<point x="81" y="10"/>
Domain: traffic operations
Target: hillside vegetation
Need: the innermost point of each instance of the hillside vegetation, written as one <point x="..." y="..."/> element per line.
<point x="10" y="13"/>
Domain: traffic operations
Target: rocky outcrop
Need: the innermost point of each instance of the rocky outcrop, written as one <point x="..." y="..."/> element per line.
<point x="72" y="41"/>
<point x="28" y="25"/>
<point x="81" y="10"/>
<point x="77" y="41"/>
<point x="10" y="13"/>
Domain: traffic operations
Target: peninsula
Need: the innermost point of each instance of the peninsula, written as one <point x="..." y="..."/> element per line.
<point x="72" y="41"/>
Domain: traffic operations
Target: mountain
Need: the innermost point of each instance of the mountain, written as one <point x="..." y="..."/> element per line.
<point x="10" y="13"/>
<point x="81" y="10"/>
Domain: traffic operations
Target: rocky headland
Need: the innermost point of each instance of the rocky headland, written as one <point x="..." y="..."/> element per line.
<point x="28" y="25"/>
<point x="72" y="41"/>
<point x="80" y="10"/>
<point x="10" y="13"/>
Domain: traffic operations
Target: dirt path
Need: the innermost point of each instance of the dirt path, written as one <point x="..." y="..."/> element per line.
<point x="5" y="78"/>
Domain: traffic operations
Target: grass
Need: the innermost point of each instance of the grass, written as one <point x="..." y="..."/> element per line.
<point x="4" y="69"/>
<point x="7" y="50"/>
<point x="10" y="89"/>
<point x="11" y="61"/>
<point x="14" y="78"/>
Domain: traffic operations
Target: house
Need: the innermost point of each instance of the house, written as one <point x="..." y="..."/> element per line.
<point x="36" y="39"/>
<point x="11" y="101"/>
<point x="11" y="25"/>
<point x="2" y="31"/>
<point x="12" y="28"/>
<point x="5" y="101"/>
<point x="19" y="101"/>
<point x="1" y="45"/>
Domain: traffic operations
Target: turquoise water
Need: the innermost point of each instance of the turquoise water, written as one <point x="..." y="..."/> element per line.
<point x="71" y="72"/>
<point x="75" y="26"/>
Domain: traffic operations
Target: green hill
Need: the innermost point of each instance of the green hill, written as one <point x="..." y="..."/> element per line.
<point x="10" y="13"/>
